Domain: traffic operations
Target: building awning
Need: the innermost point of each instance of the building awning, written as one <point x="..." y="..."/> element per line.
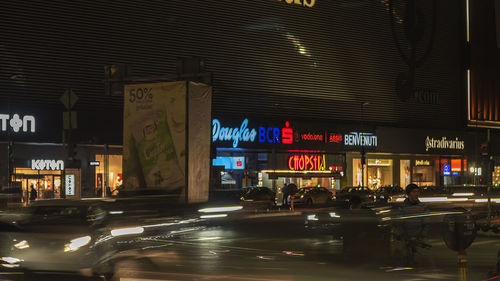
<point x="274" y="174"/>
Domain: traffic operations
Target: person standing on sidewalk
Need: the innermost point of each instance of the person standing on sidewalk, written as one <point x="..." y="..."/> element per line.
<point x="33" y="194"/>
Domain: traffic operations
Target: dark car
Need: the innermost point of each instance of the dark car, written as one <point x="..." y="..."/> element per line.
<point x="11" y="197"/>
<point x="389" y="193"/>
<point x="312" y="195"/>
<point x="366" y="194"/>
<point x="52" y="235"/>
<point x="258" y="196"/>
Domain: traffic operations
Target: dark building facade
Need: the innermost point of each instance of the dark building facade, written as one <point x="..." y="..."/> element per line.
<point x="340" y="66"/>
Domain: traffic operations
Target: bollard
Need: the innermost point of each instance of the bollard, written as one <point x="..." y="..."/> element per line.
<point x="462" y="266"/>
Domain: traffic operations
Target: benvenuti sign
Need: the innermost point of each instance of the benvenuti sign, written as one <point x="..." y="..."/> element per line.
<point x="304" y="3"/>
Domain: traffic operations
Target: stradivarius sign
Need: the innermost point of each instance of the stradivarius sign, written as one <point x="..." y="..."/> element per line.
<point x="444" y="143"/>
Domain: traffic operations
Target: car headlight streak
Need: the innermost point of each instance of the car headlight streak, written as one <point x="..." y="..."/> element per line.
<point x="334" y="215"/>
<point x="127" y="231"/>
<point x="312" y="218"/>
<point x="77" y="243"/>
<point x="220" y="209"/>
<point x="22" y="245"/>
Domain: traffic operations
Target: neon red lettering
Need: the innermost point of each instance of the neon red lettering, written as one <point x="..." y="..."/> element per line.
<point x="287" y="134"/>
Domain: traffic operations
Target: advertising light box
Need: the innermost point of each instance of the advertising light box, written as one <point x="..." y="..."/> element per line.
<point x="230" y="163"/>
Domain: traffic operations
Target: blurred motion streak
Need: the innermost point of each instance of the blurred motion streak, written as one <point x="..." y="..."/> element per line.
<point x="220" y="209"/>
<point x="127" y="231"/>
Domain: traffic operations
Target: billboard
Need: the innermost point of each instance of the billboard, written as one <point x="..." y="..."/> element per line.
<point x="166" y="138"/>
<point x="154" y="136"/>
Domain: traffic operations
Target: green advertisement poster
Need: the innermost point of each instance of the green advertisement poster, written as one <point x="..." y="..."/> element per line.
<point x="154" y="136"/>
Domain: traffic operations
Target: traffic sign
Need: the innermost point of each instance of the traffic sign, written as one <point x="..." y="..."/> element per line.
<point x="69" y="99"/>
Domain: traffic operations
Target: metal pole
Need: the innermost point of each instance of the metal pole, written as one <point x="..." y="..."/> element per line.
<point x="363" y="158"/>
<point x="106" y="171"/>
<point x="362" y="148"/>
<point x="462" y="266"/>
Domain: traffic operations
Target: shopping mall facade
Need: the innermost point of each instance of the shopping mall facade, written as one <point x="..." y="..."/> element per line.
<point x="300" y="92"/>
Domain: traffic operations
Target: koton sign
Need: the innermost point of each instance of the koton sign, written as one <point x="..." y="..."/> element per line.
<point x="16" y="123"/>
<point x="43" y="164"/>
<point x="305" y="162"/>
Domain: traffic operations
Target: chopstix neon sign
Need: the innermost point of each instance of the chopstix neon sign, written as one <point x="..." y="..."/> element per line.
<point x="307" y="162"/>
<point x="245" y="134"/>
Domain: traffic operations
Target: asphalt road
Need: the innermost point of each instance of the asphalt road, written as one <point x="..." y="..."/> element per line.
<point x="279" y="248"/>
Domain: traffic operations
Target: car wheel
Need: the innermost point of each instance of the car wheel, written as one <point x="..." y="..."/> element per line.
<point x="309" y="202"/>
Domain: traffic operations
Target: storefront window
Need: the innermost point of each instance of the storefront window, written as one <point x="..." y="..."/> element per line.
<point x="423" y="173"/>
<point x="453" y="170"/>
<point x="357" y="172"/>
<point x="379" y="173"/>
<point x="404" y="173"/>
<point x="46" y="183"/>
<point x="108" y="174"/>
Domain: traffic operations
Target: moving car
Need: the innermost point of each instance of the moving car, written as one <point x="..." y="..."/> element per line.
<point x="52" y="235"/>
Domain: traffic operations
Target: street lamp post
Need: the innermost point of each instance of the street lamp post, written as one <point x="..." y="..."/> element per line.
<point x="363" y="158"/>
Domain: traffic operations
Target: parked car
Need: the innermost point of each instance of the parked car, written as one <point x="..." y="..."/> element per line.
<point x="366" y="194"/>
<point x="312" y="195"/>
<point x="389" y="193"/>
<point x="11" y="197"/>
<point x="258" y="196"/>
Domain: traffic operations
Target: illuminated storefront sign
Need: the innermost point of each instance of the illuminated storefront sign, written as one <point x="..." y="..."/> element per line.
<point x="312" y="137"/>
<point x="321" y="137"/>
<point x="456" y="165"/>
<point x="335" y="138"/>
<point x="444" y="143"/>
<point x="16" y="123"/>
<point x="245" y="134"/>
<point x="422" y="163"/>
<point x="70" y="184"/>
<point x="336" y="168"/>
<point x="305" y="162"/>
<point x="43" y="164"/>
<point x="446" y="170"/>
<point x="305" y="3"/>
<point x="230" y="163"/>
<point x="360" y="139"/>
